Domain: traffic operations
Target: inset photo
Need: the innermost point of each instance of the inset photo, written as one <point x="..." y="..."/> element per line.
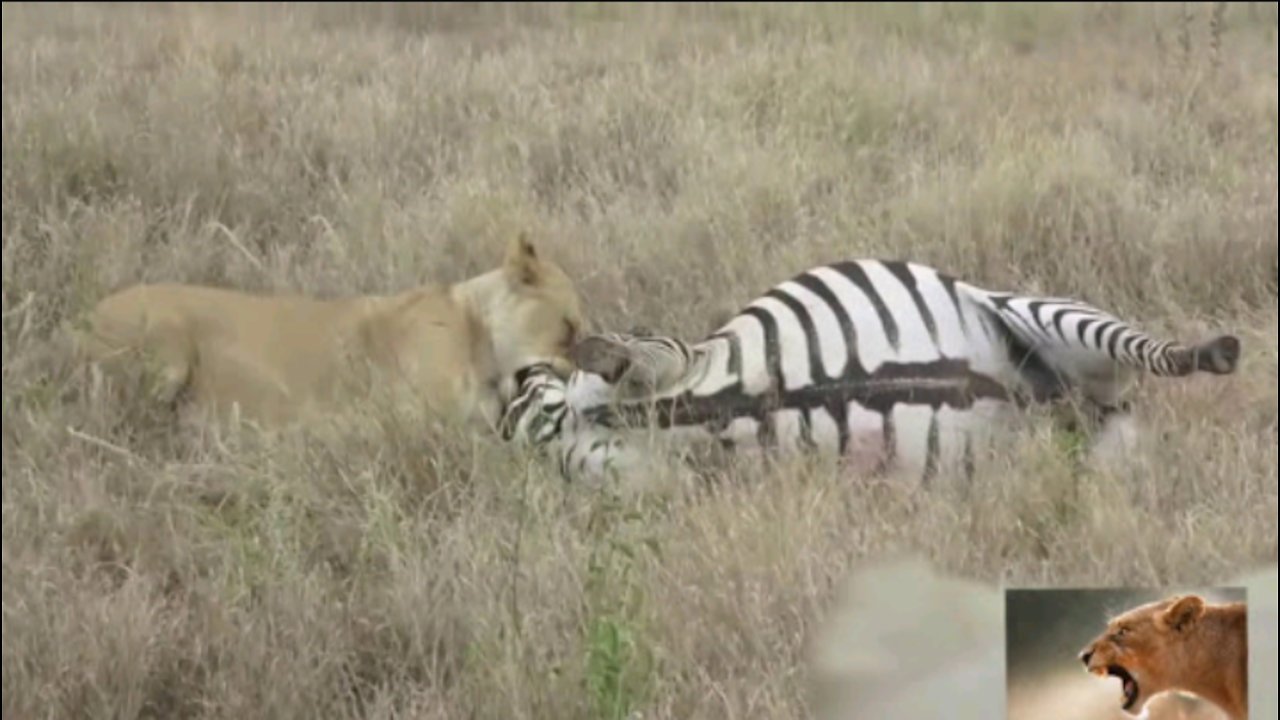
<point x="1121" y="653"/>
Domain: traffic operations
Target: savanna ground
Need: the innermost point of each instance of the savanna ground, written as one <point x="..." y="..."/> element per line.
<point x="676" y="161"/>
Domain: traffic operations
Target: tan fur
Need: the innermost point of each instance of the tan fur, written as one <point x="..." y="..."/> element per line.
<point x="1180" y="643"/>
<point x="279" y="358"/>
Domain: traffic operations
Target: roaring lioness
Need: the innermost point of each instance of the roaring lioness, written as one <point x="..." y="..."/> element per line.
<point x="280" y="358"/>
<point x="1179" y="643"/>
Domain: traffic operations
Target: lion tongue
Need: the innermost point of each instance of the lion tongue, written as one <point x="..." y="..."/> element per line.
<point x="1130" y="689"/>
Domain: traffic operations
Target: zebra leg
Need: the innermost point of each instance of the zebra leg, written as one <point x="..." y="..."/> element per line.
<point x="1083" y="341"/>
<point x="1116" y="442"/>
<point x="636" y="366"/>
<point x="1112" y="433"/>
<point x="867" y="455"/>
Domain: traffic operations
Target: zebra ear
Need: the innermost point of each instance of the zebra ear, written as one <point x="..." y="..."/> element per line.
<point x="608" y="359"/>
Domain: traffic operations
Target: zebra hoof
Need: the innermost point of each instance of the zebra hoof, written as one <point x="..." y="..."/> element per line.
<point x="1219" y="356"/>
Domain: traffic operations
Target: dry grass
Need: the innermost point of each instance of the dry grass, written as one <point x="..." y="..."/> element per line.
<point x="674" y="158"/>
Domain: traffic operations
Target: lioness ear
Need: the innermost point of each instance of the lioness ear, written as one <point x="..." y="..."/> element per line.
<point x="1183" y="613"/>
<point x="603" y="357"/>
<point x="521" y="264"/>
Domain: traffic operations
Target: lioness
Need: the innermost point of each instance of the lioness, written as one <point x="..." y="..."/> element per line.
<point x="1180" y="643"/>
<point x="280" y="358"/>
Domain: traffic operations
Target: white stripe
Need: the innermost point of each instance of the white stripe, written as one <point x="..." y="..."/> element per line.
<point x="955" y="427"/>
<point x="714" y="371"/>
<point x="755" y="375"/>
<point x="861" y="421"/>
<point x="742" y="431"/>
<point x="911" y="435"/>
<point x="826" y="434"/>
<point x="787" y="429"/>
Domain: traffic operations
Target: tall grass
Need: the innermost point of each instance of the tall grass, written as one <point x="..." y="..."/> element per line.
<point x="672" y="158"/>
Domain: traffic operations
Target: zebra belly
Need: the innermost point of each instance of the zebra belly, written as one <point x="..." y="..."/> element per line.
<point x="927" y="441"/>
<point x="915" y="439"/>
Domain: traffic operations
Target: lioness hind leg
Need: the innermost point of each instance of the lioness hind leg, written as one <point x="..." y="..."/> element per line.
<point x="169" y="365"/>
<point x="160" y="361"/>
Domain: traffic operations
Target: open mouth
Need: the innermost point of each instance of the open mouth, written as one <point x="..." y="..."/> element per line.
<point x="1127" y="683"/>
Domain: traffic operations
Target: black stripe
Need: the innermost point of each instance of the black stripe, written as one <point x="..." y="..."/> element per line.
<point x="1143" y="345"/>
<point x="766" y="433"/>
<point x="523" y="374"/>
<point x="1105" y="327"/>
<point x="559" y="423"/>
<point x="1033" y="307"/>
<point x="1016" y="321"/>
<point x="839" y="411"/>
<point x="970" y="469"/>
<point x="815" y="284"/>
<point x="1059" y="316"/>
<point x="806" y="429"/>
<point x="1000" y="300"/>
<point x="854" y="272"/>
<point x="932" y="450"/>
<point x="817" y="372"/>
<point x="1042" y="381"/>
<point x="772" y="350"/>
<point x="1102" y="325"/>
<point x="909" y="281"/>
<point x="949" y="283"/>
<point x="1129" y="343"/>
<point x="890" y="439"/>
<point x="1161" y="361"/>
<point x="734" y="369"/>
<point x="1082" y="329"/>
<point x="1115" y="340"/>
<point x="995" y="330"/>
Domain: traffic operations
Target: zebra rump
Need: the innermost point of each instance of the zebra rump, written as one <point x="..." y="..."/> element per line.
<point x="889" y="364"/>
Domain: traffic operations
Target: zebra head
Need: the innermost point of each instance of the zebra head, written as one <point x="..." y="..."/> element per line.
<point x="545" y="401"/>
<point x="532" y="415"/>
<point x="636" y="364"/>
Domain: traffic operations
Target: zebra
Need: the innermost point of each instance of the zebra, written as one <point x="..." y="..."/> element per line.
<point x="886" y="363"/>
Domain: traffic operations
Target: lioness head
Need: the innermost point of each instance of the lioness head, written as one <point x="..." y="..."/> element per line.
<point x="1146" y="648"/>
<point x="534" y="311"/>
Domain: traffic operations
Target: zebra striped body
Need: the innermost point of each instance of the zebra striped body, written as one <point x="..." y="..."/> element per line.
<point x="887" y="363"/>
<point x="545" y="415"/>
